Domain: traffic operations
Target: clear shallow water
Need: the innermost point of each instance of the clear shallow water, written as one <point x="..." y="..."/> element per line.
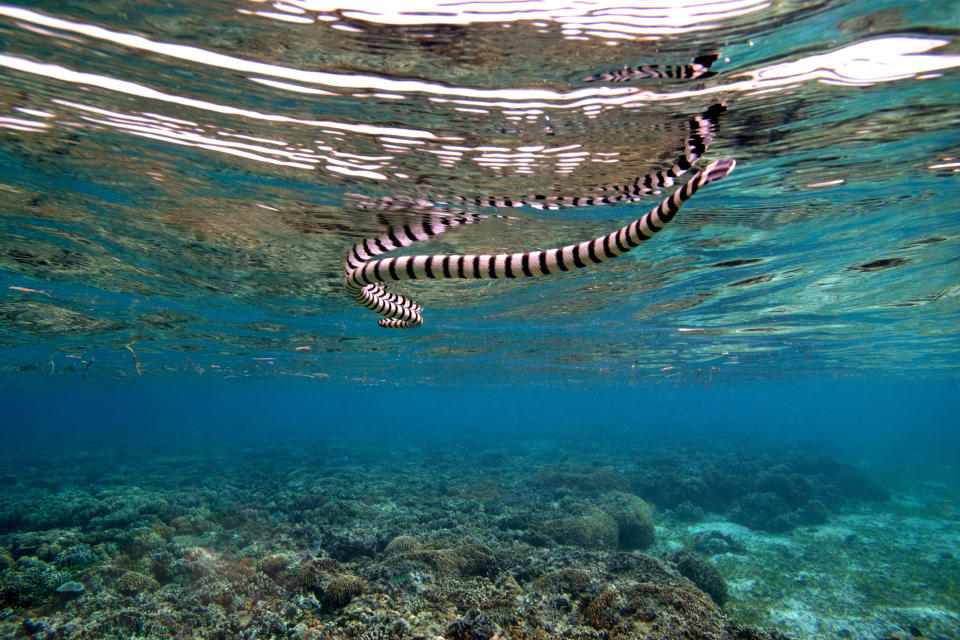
<point x="180" y="185"/>
<point x="178" y="178"/>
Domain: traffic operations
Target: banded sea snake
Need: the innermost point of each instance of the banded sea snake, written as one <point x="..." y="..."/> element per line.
<point x="366" y="275"/>
<point x="699" y="68"/>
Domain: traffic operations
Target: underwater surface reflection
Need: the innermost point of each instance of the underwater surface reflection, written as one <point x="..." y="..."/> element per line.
<point x="183" y="183"/>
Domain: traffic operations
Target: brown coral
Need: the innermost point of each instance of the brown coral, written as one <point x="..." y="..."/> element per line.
<point x="401" y="544"/>
<point x="586" y="479"/>
<point x="341" y="590"/>
<point x="663" y="611"/>
<point x="594" y="529"/>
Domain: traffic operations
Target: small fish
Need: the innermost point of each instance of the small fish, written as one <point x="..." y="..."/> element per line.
<point x="30" y="290"/>
<point x="699" y="68"/>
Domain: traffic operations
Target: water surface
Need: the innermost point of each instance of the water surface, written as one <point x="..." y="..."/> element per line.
<point x="183" y="182"/>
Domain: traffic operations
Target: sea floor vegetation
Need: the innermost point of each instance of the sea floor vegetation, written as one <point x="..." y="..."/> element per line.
<point x="389" y="538"/>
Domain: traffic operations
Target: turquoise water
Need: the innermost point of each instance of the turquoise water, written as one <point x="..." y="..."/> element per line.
<point x="194" y="406"/>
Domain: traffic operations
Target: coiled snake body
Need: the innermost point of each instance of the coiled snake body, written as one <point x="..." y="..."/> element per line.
<point x="366" y="275"/>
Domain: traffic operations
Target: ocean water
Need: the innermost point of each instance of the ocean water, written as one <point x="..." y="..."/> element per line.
<point x="738" y="422"/>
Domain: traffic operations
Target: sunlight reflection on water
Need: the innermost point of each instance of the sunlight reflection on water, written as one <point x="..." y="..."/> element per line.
<point x="236" y="154"/>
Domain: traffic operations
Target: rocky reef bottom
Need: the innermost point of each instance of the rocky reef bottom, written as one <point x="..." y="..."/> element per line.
<point x="329" y="536"/>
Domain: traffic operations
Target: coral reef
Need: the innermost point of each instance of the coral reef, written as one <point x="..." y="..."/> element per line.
<point x="583" y="479"/>
<point x="658" y="610"/>
<point x="770" y="489"/>
<point x="713" y="542"/>
<point x="341" y="590"/>
<point x="265" y="548"/>
<point x="593" y="529"/>
<point x="701" y="573"/>
<point x="633" y="516"/>
<point x="28" y="581"/>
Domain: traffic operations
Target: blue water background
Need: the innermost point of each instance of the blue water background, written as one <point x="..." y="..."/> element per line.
<point x="912" y="425"/>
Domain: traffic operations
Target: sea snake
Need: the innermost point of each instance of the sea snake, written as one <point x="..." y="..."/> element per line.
<point x="365" y="277"/>
<point x="699" y="68"/>
<point x="702" y="130"/>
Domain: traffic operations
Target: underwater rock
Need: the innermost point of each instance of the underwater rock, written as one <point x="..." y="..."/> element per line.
<point x="765" y="511"/>
<point x="192" y="524"/>
<point x="336" y="511"/>
<point x="466" y="572"/>
<point x="583" y="479"/>
<point x="70" y="589"/>
<point x="522" y="525"/>
<point x="790" y="486"/>
<point x="303" y="578"/>
<point x="10" y="519"/>
<point x="353" y="545"/>
<point x="561" y="603"/>
<point x="719" y="481"/>
<point x="516" y="520"/>
<point x="31" y="625"/>
<point x="483" y="491"/>
<point x="572" y="581"/>
<point x="848" y="482"/>
<point x="27" y="543"/>
<point x="464" y="560"/>
<point x="312" y="575"/>
<point x="701" y="573"/>
<point x="814" y="512"/>
<point x="202" y="562"/>
<point x="594" y="529"/>
<point x="145" y="543"/>
<point x="669" y="488"/>
<point x="686" y="511"/>
<point x="662" y="611"/>
<point x="273" y="566"/>
<point x="469" y="560"/>
<point x="478" y="627"/>
<point x="711" y="543"/>
<point x="633" y="516"/>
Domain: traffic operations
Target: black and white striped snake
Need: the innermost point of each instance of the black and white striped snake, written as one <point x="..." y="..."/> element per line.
<point x="366" y="275"/>
<point x="702" y="130"/>
<point x="365" y="278"/>
<point x="699" y="68"/>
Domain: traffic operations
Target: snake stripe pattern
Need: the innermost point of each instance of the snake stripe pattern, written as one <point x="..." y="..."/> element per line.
<point x="699" y="68"/>
<point x="365" y="277"/>
<point x="703" y="129"/>
<point x="396" y="237"/>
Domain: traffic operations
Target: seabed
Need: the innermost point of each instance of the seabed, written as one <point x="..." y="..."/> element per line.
<point x="443" y="539"/>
